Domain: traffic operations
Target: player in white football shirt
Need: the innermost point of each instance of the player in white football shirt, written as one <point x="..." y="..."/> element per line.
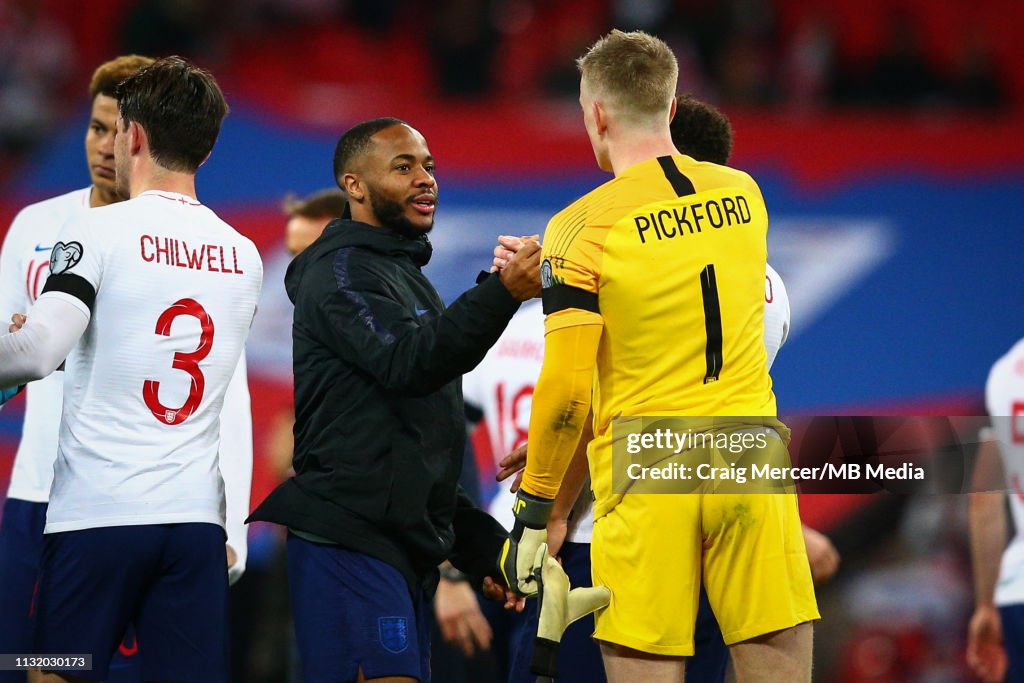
<point x="995" y="636"/>
<point x="150" y="301"/>
<point x="24" y="267"/>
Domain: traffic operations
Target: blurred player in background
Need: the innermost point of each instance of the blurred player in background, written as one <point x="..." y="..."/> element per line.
<point x="668" y="324"/>
<point x="261" y="594"/>
<point x="995" y="636"/>
<point x="308" y="217"/>
<point x="139" y="293"/>
<point x="24" y="267"/>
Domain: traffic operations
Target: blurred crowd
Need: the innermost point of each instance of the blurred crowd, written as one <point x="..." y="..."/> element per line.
<point x="767" y="54"/>
<point x="761" y="53"/>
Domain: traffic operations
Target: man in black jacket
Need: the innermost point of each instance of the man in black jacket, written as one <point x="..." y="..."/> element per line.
<point x="374" y="506"/>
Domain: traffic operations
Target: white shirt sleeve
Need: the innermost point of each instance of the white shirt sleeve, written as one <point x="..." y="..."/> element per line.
<point x="776" y="314"/>
<point x="57" y="322"/>
<point x="236" y="463"/>
<point x="786" y="314"/>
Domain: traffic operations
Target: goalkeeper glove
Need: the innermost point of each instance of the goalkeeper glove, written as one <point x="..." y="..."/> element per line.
<point x="559" y="607"/>
<point x="529" y="532"/>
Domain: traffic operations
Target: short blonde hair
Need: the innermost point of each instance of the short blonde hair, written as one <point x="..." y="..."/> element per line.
<point x="635" y="71"/>
<point x="109" y="74"/>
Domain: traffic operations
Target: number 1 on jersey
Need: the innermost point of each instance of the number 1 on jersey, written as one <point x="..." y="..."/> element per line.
<point x="188" y="362"/>
<point x="712" y="323"/>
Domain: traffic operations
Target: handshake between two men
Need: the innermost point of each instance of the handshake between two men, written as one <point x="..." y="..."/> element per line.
<point x="525" y="562"/>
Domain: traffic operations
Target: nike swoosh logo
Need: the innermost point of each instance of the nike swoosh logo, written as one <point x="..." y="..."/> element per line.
<point x="39" y="248"/>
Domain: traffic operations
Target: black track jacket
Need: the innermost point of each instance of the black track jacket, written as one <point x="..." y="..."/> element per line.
<point x="379" y="421"/>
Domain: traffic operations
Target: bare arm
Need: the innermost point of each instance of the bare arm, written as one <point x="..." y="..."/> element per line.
<point x="988" y="530"/>
<point x="986" y="511"/>
<point x="571" y="489"/>
<point x="822" y="555"/>
<point x="459" y="617"/>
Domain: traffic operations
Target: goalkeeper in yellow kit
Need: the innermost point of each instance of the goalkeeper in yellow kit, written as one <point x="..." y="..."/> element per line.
<point x="654" y="295"/>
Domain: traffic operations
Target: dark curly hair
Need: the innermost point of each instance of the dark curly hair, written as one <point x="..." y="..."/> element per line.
<point x="701" y="131"/>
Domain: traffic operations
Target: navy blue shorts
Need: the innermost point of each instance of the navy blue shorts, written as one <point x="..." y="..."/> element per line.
<point x="579" y="656"/>
<point x="21" y="546"/>
<point x="21" y="550"/>
<point x="350" y="611"/>
<point x="170" y="580"/>
<point x="1012" y="617"/>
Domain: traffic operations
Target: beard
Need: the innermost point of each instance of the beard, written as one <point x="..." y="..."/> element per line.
<point x="391" y="214"/>
<point x="122" y="185"/>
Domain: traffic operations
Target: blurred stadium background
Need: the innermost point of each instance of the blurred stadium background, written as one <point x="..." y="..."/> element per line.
<point x="886" y="135"/>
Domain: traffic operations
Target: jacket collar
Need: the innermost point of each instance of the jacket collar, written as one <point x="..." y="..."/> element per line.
<point x="348" y="233"/>
<point x="342" y="233"/>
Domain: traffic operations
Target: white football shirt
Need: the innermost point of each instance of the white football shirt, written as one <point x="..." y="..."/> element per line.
<point x="171" y="290"/>
<point x="502" y="387"/>
<point x="24" y="267"/>
<point x="776" y="314"/>
<point x="1004" y="398"/>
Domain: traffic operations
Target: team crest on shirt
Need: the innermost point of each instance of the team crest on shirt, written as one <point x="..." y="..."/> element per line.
<point x="64" y="257"/>
<point x="547" y="277"/>
<point x="393" y="633"/>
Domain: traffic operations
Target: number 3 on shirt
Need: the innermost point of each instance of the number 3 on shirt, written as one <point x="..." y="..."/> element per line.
<point x="189" y="362"/>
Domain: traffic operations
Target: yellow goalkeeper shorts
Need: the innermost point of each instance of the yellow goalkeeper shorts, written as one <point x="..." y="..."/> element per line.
<point x="652" y="551"/>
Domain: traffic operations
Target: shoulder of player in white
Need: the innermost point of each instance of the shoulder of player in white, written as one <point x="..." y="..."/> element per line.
<point x="58" y="207"/>
<point x="1005" y="379"/>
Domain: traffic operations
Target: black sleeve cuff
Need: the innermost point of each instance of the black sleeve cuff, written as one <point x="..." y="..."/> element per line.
<point x="478" y="542"/>
<point x="493" y="288"/>
<point x="75" y="285"/>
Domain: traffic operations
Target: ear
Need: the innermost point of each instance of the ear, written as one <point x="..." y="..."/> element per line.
<point x="136" y="138"/>
<point x="353" y="186"/>
<point x="600" y="117"/>
<point x="672" y="110"/>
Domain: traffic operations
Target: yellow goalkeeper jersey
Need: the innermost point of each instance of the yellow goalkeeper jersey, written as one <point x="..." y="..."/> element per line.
<point x="669" y="257"/>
